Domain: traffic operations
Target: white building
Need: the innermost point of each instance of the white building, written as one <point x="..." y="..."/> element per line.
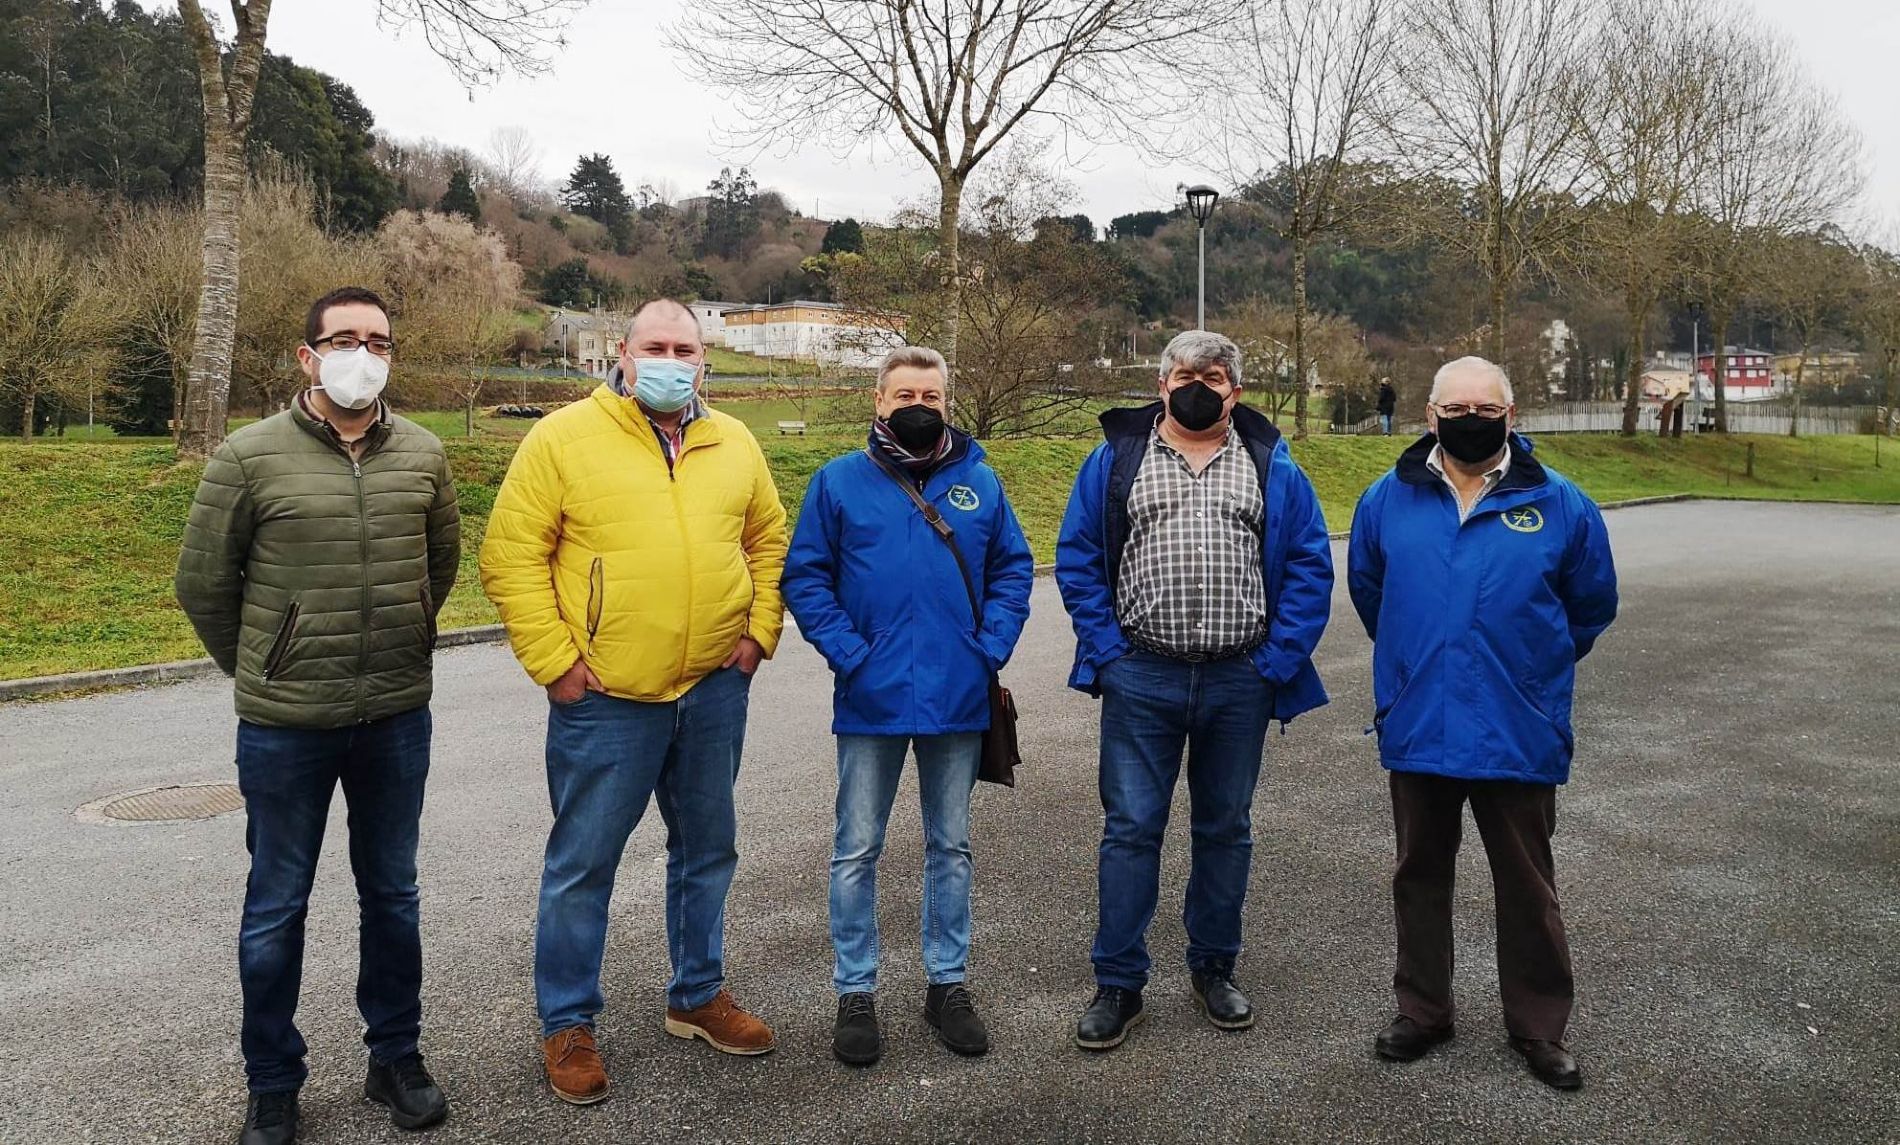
<point x="823" y="332"/>
<point x="712" y="320"/>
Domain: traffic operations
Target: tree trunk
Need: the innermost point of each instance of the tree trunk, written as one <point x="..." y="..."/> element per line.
<point x="949" y="247"/>
<point x="1718" y="320"/>
<point x="468" y="416"/>
<point x="1299" y="337"/>
<point x="1800" y="369"/>
<point x="1633" y="386"/>
<point x="28" y="401"/>
<point x="208" y="392"/>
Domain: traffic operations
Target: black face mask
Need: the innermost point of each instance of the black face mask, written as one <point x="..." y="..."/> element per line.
<point x="917" y="428"/>
<point x="1196" y="406"/>
<point x="1471" y="438"/>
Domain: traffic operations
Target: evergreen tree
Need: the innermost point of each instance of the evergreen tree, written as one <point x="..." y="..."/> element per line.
<point x="460" y="198"/>
<point x="595" y="190"/>
<point x="732" y="215"/>
<point x="843" y="237"/>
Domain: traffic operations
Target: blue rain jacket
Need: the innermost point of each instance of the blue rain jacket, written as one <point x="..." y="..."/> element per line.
<point x="1296" y="556"/>
<point x="878" y="593"/>
<point x="1477" y="628"/>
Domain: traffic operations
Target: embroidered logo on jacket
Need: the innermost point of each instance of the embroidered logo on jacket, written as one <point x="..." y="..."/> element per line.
<point x="1525" y="520"/>
<point x="963" y="497"/>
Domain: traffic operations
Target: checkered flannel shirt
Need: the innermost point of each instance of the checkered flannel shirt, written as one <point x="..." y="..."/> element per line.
<point x="1191" y="583"/>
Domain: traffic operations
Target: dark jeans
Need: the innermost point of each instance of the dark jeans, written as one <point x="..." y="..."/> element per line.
<point x="287" y="776"/>
<point x="1152" y="708"/>
<point x="1516" y="821"/>
<point x="607" y="759"/>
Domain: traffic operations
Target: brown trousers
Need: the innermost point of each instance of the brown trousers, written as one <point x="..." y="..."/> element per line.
<point x="1516" y="821"/>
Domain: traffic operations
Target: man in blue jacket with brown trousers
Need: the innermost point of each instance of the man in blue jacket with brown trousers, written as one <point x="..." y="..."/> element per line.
<point x="1482" y="578"/>
<point x="913" y="646"/>
<point x="1195" y="566"/>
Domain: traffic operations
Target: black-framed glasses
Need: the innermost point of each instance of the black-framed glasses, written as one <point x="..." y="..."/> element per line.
<point x="381" y="347"/>
<point x="1460" y="409"/>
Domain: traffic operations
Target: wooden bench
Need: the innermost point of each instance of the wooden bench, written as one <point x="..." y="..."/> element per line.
<point x="797" y="427"/>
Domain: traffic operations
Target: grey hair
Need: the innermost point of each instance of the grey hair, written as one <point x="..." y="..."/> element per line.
<point x="1199" y="349"/>
<point x="1473" y="364"/>
<point x="916" y="357"/>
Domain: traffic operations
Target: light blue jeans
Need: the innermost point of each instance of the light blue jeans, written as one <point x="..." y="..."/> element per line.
<point x="607" y="759"/>
<point x="868" y="770"/>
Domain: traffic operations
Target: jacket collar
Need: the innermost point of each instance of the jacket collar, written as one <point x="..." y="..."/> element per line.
<point x="701" y="429"/>
<point x="313" y="423"/>
<point x="1526" y="472"/>
<point x="1119" y="425"/>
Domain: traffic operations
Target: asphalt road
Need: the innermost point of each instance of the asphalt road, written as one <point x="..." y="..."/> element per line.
<point x="1729" y="851"/>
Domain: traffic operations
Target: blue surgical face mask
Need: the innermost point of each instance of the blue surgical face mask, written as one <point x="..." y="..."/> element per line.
<point x="664" y="385"/>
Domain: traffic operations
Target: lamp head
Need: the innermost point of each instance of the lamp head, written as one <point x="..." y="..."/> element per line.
<point x="1200" y="202"/>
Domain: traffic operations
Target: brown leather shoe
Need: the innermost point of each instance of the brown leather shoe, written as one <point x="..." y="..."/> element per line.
<point x="730" y="1029"/>
<point x="574" y="1070"/>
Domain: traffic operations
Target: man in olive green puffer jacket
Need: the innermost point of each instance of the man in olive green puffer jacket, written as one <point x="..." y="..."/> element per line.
<point x="320" y="547"/>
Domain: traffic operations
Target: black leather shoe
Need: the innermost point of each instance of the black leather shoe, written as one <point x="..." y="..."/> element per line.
<point x="1405" y="1040"/>
<point x="271" y="1119"/>
<point x="413" y="1098"/>
<point x="1108" y="1019"/>
<point x="1222" y="1001"/>
<point x="855" y="1039"/>
<point x="1552" y="1063"/>
<point x="951" y="1011"/>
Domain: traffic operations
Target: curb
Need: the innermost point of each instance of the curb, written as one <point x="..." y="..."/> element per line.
<point x="180" y="670"/>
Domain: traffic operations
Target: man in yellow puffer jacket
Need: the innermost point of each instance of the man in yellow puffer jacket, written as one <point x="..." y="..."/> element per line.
<point x="634" y="553"/>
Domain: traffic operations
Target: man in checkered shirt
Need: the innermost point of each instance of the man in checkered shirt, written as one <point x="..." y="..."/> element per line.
<point x="1194" y="563"/>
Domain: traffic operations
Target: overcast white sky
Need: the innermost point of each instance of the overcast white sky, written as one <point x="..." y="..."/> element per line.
<point x="616" y="89"/>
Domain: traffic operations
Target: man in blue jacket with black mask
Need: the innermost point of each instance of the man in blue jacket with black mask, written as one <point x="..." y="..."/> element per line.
<point x="1195" y="566"/>
<point x="1482" y="577"/>
<point x="877" y="590"/>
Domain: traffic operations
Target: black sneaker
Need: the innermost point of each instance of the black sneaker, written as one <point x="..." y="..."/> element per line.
<point x="855" y="1039"/>
<point x="1223" y="1003"/>
<point x="951" y="1011"/>
<point x="271" y="1119"/>
<point x="414" y="1100"/>
<point x="1108" y="1019"/>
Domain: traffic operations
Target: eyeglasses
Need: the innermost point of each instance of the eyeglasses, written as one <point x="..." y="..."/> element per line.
<point x="381" y="347"/>
<point x="1460" y="409"/>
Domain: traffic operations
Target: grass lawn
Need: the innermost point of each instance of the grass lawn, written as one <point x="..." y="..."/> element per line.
<point x="93" y="529"/>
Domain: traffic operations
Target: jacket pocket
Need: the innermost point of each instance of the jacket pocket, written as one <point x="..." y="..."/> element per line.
<point x="280" y="647"/>
<point x="428" y="616"/>
<point x="596" y="598"/>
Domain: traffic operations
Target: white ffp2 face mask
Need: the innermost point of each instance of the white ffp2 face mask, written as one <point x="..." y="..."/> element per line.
<point x="352" y="378"/>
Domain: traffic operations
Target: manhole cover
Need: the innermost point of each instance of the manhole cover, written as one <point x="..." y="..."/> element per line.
<point x="165" y="804"/>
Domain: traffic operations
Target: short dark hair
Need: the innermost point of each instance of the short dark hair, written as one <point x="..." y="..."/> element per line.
<point x="341" y="296"/>
<point x="668" y="303"/>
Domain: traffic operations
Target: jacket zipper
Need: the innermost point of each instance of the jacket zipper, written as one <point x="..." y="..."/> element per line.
<point x="362" y="538"/>
<point x="280" y="646"/>
<point x="596" y="600"/>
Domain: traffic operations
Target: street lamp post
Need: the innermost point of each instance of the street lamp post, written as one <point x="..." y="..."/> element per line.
<point x="1201" y="199"/>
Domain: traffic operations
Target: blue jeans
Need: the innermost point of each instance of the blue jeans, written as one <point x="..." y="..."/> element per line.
<point x="868" y="770"/>
<point x="287" y="776"/>
<point x="607" y="758"/>
<point x="1385" y="420"/>
<point x="1152" y="707"/>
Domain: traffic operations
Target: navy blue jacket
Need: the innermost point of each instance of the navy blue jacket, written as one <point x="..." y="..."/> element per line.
<point x="1297" y="558"/>
<point x="878" y="593"/>
<point x="1477" y="628"/>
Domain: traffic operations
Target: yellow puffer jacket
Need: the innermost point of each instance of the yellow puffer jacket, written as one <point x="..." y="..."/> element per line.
<point x="598" y="549"/>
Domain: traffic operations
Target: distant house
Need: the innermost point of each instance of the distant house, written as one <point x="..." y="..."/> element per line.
<point x="1823" y="368"/>
<point x="822" y="332"/>
<point x="586" y="341"/>
<point x="712" y="319"/>
<point x="1661" y="383"/>
<point x="1747" y="375"/>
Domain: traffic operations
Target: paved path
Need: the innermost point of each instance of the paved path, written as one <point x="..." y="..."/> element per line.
<point x="1729" y="852"/>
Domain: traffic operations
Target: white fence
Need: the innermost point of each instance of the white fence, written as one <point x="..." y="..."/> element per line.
<point x="1752" y="417"/>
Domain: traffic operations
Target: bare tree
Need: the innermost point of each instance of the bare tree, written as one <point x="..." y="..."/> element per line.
<point x="1783" y="160"/>
<point x="453" y="292"/>
<point x="1489" y="94"/>
<point x="951" y="78"/>
<point x="1307" y="97"/>
<point x="1813" y="283"/>
<point x="57" y="318"/>
<point x="514" y="156"/>
<point x="478" y="39"/>
<point x="157" y="260"/>
<point x="1652" y="117"/>
<point x="1877" y="318"/>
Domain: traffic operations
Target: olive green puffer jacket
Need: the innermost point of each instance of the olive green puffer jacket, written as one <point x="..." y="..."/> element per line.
<point x="315" y="579"/>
